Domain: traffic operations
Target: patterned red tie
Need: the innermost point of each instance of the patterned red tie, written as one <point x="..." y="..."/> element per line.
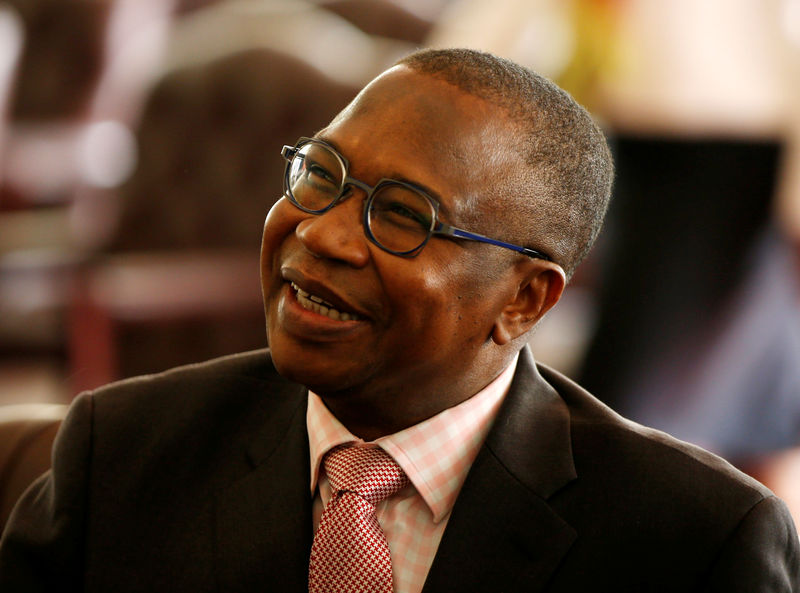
<point x="350" y="553"/>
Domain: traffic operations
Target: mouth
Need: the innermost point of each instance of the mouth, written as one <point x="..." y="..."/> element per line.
<point x="312" y="302"/>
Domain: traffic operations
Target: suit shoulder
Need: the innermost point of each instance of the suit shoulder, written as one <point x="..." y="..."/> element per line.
<point x="256" y="364"/>
<point x="609" y="444"/>
<point x="644" y="503"/>
<point x="249" y="367"/>
<point x="204" y="397"/>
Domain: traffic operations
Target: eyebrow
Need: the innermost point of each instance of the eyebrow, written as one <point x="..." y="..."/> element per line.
<point x="443" y="209"/>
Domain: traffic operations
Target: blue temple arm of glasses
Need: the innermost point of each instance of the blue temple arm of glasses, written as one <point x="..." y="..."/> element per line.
<point x="451" y="231"/>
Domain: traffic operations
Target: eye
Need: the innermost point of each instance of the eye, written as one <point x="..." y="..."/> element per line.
<point x="316" y="173"/>
<point x="402" y="210"/>
<point x="320" y="178"/>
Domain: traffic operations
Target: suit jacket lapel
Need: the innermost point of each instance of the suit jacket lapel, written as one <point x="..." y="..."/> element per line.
<point x="502" y="534"/>
<point x="264" y="525"/>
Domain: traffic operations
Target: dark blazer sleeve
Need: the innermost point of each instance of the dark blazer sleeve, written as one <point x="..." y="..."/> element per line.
<point x="762" y="554"/>
<point x="42" y="547"/>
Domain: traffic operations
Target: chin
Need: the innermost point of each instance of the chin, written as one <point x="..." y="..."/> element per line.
<point x="295" y="367"/>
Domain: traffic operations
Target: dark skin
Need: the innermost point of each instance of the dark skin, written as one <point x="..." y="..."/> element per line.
<point x="430" y="331"/>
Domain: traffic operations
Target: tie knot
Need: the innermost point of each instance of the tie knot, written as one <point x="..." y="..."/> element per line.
<point x="370" y="472"/>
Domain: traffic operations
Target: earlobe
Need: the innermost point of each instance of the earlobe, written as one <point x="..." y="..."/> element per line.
<point x="540" y="289"/>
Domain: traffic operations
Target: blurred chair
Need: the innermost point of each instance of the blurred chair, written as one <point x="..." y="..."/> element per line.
<point x="209" y="143"/>
<point x="51" y="55"/>
<point x="180" y="282"/>
<point x="26" y="437"/>
<point x="62" y="59"/>
<point x="11" y="39"/>
<point x="60" y="64"/>
<point x="384" y="18"/>
<point x="143" y="312"/>
<point x="322" y="39"/>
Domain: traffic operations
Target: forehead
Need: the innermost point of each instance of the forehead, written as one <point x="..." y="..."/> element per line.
<point x="415" y="127"/>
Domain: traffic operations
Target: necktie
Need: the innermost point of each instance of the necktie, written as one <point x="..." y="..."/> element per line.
<point x="350" y="553"/>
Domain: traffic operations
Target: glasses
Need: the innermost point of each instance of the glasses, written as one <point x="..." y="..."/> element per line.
<point x="398" y="217"/>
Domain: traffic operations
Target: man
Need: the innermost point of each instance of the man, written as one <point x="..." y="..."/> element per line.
<point x="409" y="331"/>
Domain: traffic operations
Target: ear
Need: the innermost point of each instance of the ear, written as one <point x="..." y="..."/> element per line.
<point x="540" y="288"/>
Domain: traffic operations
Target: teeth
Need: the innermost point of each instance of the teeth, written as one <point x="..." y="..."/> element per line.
<point x="321" y="306"/>
<point x="313" y="297"/>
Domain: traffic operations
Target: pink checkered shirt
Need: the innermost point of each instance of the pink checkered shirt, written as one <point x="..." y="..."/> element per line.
<point x="436" y="455"/>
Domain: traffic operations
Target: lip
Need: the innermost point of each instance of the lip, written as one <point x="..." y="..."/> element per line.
<point x="323" y="291"/>
<point x="310" y="326"/>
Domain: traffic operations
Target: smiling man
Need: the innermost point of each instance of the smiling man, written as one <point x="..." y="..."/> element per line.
<point x="398" y="435"/>
<point x="443" y="315"/>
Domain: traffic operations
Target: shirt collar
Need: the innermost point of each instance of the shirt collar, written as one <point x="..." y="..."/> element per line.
<point x="436" y="454"/>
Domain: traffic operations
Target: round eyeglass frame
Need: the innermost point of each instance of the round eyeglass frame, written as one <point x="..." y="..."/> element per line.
<point x="437" y="227"/>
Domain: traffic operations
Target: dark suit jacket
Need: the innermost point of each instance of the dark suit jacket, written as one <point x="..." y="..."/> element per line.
<point x="198" y="480"/>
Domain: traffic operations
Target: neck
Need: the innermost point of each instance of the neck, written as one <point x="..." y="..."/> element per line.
<point x="370" y="422"/>
<point x="371" y="415"/>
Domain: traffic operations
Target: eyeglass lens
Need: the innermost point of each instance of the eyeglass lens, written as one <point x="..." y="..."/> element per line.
<point x="399" y="219"/>
<point x="315" y="176"/>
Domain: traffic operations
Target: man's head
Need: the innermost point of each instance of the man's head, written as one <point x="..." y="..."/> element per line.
<point x="422" y="333"/>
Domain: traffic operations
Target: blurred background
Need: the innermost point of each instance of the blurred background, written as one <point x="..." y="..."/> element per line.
<point x="139" y="145"/>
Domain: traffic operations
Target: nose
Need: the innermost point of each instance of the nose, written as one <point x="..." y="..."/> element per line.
<point x="337" y="234"/>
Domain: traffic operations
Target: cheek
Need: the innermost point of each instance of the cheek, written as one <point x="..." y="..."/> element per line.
<point x="444" y="302"/>
<point x="281" y="221"/>
<point x="474" y="302"/>
<point x="281" y="218"/>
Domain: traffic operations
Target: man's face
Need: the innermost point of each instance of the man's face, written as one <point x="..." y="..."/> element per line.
<point x="418" y="332"/>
